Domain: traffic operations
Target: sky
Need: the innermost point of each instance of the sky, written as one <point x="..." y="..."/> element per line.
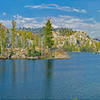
<point x="76" y="14"/>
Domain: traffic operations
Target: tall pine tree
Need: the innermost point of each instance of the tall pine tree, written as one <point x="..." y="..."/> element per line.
<point x="3" y="41"/>
<point x="48" y="36"/>
<point x="13" y="35"/>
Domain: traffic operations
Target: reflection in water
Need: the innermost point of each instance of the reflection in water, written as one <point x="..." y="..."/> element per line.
<point x="25" y="70"/>
<point x="51" y="79"/>
<point x="22" y="70"/>
<point x="3" y="70"/>
<point x="13" y="71"/>
<point x="2" y="66"/>
<point x="49" y="66"/>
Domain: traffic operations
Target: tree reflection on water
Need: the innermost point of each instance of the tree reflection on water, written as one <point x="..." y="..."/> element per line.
<point x="48" y="80"/>
<point x="13" y="71"/>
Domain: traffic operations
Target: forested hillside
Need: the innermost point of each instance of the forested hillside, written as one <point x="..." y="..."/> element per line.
<point x="71" y="40"/>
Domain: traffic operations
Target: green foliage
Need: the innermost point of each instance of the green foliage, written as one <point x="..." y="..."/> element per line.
<point x="75" y="99"/>
<point x="0" y="49"/>
<point x="24" y="39"/>
<point x="19" y="44"/>
<point x="33" y="53"/>
<point x="29" y="54"/>
<point x="3" y="41"/>
<point x="97" y="46"/>
<point x="13" y="34"/>
<point x="69" y="46"/>
<point x="87" y="48"/>
<point x="29" y="35"/>
<point x="48" y="36"/>
<point x="37" y="40"/>
<point x="11" y="54"/>
<point x="7" y="41"/>
<point x="64" y="31"/>
<point x="36" y="53"/>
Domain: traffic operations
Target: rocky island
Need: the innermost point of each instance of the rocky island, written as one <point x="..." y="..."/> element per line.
<point x="50" y="43"/>
<point x="22" y="54"/>
<point x="20" y="44"/>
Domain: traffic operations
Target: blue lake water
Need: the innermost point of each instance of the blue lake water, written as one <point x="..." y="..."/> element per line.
<point x="51" y="79"/>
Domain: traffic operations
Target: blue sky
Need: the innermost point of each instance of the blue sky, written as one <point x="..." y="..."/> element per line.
<point x="76" y="14"/>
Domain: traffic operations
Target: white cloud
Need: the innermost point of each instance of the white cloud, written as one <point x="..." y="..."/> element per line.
<point x="55" y="6"/>
<point x="3" y="14"/>
<point x="98" y="10"/>
<point x="89" y="25"/>
<point x="78" y="24"/>
<point x="17" y="16"/>
<point x="6" y="23"/>
<point x="27" y="22"/>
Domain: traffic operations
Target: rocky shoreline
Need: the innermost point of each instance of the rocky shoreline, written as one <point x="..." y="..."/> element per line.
<point x="22" y="54"/>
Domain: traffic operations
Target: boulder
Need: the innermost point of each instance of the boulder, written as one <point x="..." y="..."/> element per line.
<point x="60" y="54"/>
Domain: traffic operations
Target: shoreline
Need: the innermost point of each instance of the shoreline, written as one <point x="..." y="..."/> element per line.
<point x="37" y="58"/>
<point x="58" y="57"/>
<point x="33" y="58"/>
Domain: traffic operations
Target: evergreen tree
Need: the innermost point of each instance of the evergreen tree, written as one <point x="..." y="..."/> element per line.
<point x="29" y="37"/>
<point x="13" y="34"/>
<point x="24" y="38"/>
<point x="19" y="42"/>
<point x="97" y="45"/>
<point x="3" y="40"/>
<point x="48" y="36"/>
<point x="0" y="49"/>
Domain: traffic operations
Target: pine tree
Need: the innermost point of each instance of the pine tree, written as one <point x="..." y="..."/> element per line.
<point x="29" y="37"/>
<point x="19" y="42"/>
<point x="0" y="49"/>
<point x="24" y="38"/>
<point x="48" y="36"/>
<point x="13" y="34"/>
<point x="3" y="40"/>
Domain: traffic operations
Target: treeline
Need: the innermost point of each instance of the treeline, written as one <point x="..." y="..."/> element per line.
<point x="63" y="31"/>
<point x="37" y="44"/>
<point x="86" y="46"/>
<point x="21" y="39"/>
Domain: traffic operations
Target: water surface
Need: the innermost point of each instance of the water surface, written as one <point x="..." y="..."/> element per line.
<point x="51" y="79"/>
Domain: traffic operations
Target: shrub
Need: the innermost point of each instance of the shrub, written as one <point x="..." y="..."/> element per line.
<point x="29" y="54"/>
<point x="11" y="54"/>
<point x="36" y="53"/>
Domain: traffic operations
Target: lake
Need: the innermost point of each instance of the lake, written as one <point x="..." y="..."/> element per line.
<point x="51" y="79"/>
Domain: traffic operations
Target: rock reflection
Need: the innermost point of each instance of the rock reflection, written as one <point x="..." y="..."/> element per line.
<point x="49" y="66"/>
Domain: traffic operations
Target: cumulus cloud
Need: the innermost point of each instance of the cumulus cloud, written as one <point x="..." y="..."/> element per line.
<point x="98" y="10"/>
<point x="89" y="25"/>
<point x="55" y="6"/>
<point x="6" y="23"/>
<point x="27" y="22"/>
<point x="4" y="14"/>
